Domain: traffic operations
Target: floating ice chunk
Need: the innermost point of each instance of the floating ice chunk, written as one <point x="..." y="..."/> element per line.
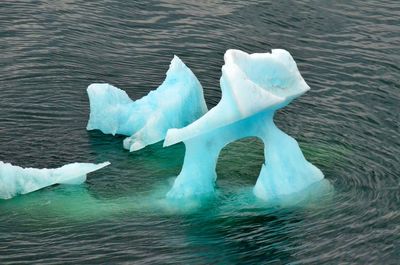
<point x="253" y="87"/>
<point x="177" y="102"/>
<point x="16" y="180"/>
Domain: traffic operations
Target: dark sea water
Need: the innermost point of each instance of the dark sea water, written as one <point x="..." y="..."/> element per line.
<point x="348" y="125"/>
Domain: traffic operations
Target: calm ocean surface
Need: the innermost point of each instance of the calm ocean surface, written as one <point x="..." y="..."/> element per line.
<point x="348" y="125"/>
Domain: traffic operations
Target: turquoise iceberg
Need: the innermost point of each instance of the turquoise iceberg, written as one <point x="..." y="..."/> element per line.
<point x="253" y="87"/>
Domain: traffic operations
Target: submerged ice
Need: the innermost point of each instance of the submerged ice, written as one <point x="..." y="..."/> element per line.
<point x="16" y="180"/>
<point x="253" y="87"/>
<point x="177" y="102"/>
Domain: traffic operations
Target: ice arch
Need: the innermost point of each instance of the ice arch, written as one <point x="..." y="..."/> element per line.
<point x="239" y="163"/>
<point x="253" y="87"/>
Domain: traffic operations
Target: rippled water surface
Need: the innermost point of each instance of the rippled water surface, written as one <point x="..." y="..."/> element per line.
<point x="348" y="125"/>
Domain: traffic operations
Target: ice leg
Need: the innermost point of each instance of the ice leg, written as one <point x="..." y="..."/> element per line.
<point x="285" y="170"/>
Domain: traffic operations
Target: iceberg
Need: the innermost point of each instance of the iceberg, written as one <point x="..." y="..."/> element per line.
<point x="16" y="180"/>
<point x="177" y="102"/>
<point x="253" y="87"/>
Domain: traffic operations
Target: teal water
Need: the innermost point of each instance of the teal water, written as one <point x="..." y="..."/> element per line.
<point x="348" y="125"/>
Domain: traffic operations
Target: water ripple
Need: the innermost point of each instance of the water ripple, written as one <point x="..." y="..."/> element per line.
<point x="348" y="125"/>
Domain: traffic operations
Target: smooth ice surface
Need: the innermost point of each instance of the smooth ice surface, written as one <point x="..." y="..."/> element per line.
<point x="253" y="87"/>
<point x="16" y="180"/>
<point x="177" y="102"/>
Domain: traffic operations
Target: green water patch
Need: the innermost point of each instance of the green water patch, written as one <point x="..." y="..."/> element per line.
<point x="239" y="163"/>
<point x="78" y="204"/>
<point x="324" y="154"/>
<point x="136" y="184"/>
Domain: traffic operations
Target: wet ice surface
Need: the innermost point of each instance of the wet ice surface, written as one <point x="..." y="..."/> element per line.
<point x="15" y="180"/>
